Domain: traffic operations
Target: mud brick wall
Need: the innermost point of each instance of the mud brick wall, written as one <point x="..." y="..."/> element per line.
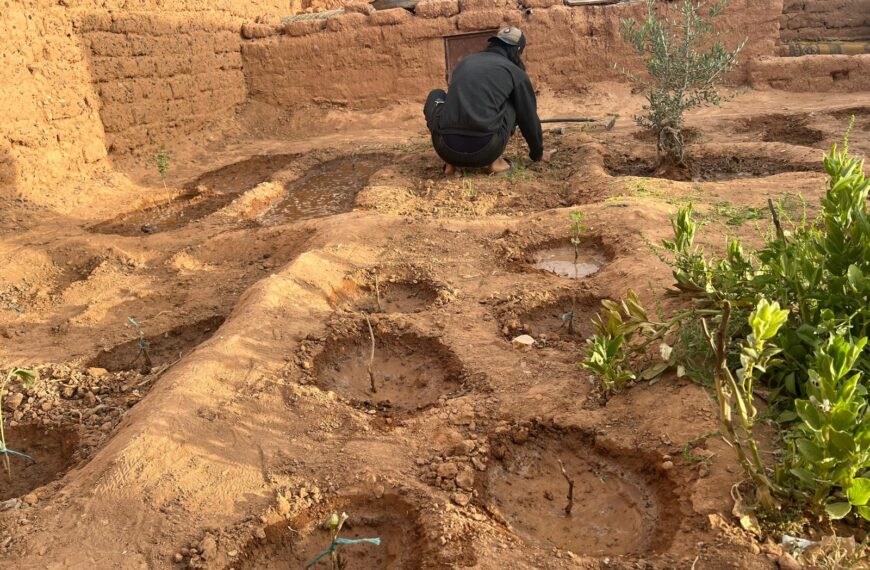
<point x="160" y="78"/>
<point x="50" y="124"/>
<point x="364" y="60"/>
<point x="825" y="20"/>
<point x="817" y="73"/>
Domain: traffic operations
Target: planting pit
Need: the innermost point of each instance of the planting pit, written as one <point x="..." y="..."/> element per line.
<point x="618" y="508"/>
<point x="204" y="195"/>
<point x="559" y="259"/>
<point x="327" y="189"/>
<point x="52" y="449"/>
<point x="790" y="129"/>
<point x="163" y="349"/>
<point x="550" y="321"/>
<point x="704" y="168"/>
<point x="389" y="518"/>
<point x="397" y="295"/>
<point x="411" y="372"/>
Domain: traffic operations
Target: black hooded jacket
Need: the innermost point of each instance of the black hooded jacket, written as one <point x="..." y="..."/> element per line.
<point x="481" y="86"/>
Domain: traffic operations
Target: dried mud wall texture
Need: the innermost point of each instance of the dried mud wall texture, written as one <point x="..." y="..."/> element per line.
<point x="364" y="61"/>
<point x="160" y="78"/>
<point x="825" y="20"/>
<point x="818" y="73"/>
<point x="50" y="126"/>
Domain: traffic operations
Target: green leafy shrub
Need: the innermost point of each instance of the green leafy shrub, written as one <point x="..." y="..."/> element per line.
<point x="806" y="295"/>
<point x="685" y="61"/>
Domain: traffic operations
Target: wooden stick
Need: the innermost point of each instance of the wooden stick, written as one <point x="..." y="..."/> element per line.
<point x="372" y="355"/>
<point x="378" y="292"/>
<point x="570" y="481"/>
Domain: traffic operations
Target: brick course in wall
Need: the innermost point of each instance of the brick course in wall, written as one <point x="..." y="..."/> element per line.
<point x="160" y="77"/>
<point x="809" y="20"/>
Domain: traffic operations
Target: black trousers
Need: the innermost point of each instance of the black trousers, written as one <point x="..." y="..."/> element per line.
<point x="478" y="159"/>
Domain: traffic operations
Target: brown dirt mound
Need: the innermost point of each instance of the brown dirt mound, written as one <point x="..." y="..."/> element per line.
<point x="620" y="507"/>
<point x="51" y="449"/>
<point x="410" y="372"/>
<point x="163" y="349"/>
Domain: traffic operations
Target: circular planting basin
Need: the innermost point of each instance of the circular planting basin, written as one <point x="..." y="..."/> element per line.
<point x="563" y="259"/>
<point x="390" y="519"/>
<point x="328" y="188"/>
<point x="790" y="129"/>
<point x="204" y="195"/>
<point x="164" y="348"/>
<point x="567" y="318"/>
<point x="52" y="452"/>
<point x="618" y="509"/>
<point x="410" y="372"/>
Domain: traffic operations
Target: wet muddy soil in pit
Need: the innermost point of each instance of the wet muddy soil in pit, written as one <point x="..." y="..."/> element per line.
<point x="204" y="195"/>
<point x="327" y="189"/>
<point x="563" y="260"/>
<point x="616" y="510"/>
<point x="410" y="372"/>
<point x="704" y="168"/>
<point x="390" y="519"/>
<point x="164" y="348"/>
<point x="52" y="451"/>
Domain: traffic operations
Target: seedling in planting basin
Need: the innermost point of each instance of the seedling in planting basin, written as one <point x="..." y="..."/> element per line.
<point x="335" y="524"/>
<point x="143" y="348"/>
<point x="27" y="378"/>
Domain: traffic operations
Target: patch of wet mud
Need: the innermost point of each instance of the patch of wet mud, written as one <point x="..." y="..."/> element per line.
<point x="52" y="451"/>
<point x="327" y="189"/>
<point x="410" y="372"/>
<point x="203" y="196"/>
<point x="617" y="510"/>
<point x="163" y="349"/>
<point x="390" y="519"/>
<point x="705" y="168"/>
<point x="563" y="259"/>
<point x="789" y="129"/>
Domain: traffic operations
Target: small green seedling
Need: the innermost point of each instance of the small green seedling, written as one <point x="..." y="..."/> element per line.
<point x="578" y="228"/>
<point x="162" y="159"/>
<point x="143" y="348"/>
<point x="334" y="525"/>
<point x="27" y="378"/>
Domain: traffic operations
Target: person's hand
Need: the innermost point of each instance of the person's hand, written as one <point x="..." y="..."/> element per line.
<point x="548" y="154"/>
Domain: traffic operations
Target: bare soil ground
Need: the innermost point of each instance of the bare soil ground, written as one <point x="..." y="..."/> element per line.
<point x="250" y="275"/>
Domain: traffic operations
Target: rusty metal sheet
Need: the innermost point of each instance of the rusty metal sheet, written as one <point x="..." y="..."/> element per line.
<point x="459" y="46"/>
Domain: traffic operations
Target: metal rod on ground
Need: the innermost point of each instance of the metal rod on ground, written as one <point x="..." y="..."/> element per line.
<point x="608" y="126"/>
